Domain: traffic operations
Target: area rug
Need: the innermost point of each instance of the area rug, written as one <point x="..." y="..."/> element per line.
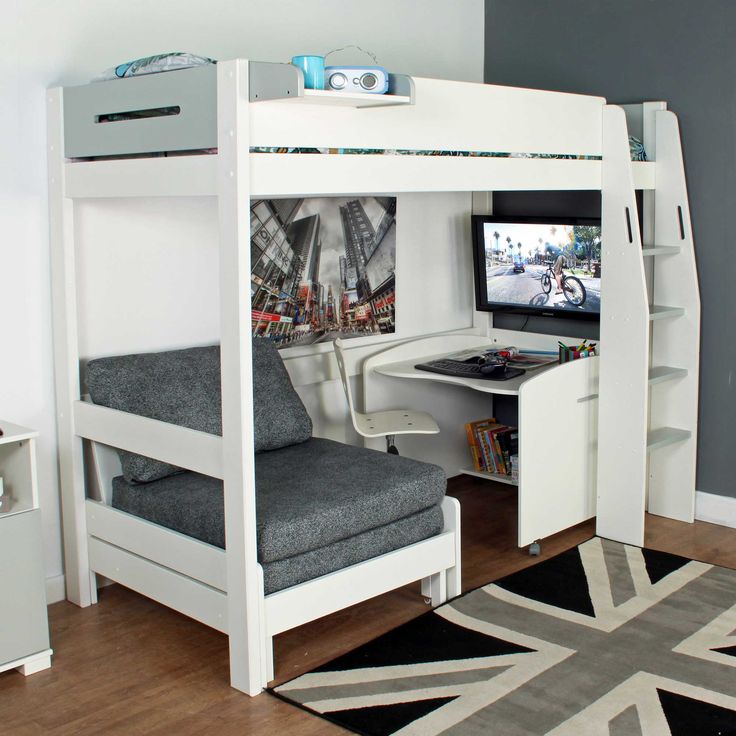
<point x="604" y="639"/>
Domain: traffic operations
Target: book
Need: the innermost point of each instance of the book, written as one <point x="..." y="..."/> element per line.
<point x="473" y="430"/>
<point x="498" y="452"/>
<point x="488" y="459"/>
<point x="473" y="445"/>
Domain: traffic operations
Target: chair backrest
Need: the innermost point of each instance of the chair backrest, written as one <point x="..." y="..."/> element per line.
<point x="345" y="378"/>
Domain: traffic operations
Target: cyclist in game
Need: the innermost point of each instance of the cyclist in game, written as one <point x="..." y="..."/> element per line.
<point x="557" y="271"/>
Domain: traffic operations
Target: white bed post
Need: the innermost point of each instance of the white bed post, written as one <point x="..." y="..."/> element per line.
<point x="245" y="592"/>
<point x="80" y="588"/>
<point x="623" y="383"/>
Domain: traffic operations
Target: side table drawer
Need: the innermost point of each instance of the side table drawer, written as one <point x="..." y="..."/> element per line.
<point x="23" y="621"/>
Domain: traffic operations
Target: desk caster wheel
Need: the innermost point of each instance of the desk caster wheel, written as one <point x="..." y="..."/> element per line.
<point x="535" y="549"/>
<point x="428" y="601"/>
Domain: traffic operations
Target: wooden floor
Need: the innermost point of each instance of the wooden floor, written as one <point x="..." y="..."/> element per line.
<point x="129" y="666"/>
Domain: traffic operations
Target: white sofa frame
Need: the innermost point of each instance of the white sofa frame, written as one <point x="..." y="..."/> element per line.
<point x="224" y="588"/>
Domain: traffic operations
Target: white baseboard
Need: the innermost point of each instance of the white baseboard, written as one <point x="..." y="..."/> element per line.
<point x="55" y="589"/>
<point x="715" y="509"/>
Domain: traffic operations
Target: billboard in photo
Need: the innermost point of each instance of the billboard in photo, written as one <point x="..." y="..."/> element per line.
<point x="322" y="267"/>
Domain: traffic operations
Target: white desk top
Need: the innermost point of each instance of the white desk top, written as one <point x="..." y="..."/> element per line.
<point x="406" y="369"/>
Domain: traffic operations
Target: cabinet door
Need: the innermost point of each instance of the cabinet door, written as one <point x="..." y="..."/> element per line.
<point x="558" y="435"/>
<point x="23" y="623"/>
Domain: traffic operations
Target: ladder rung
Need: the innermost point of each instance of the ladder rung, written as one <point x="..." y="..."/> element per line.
<point x="664" y="436"/>
<point x="660" y="250"/>
<point x="658" y="311"/>
<point x="660" y="373"/>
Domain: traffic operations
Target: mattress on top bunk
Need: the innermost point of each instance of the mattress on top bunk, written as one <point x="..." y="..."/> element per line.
<point x="321" y="506"/>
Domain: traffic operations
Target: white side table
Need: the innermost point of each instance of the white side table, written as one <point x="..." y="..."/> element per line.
<point x="24" y="629"/>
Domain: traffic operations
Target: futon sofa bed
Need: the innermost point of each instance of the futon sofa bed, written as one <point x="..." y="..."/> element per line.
<point x="321" y="505"/>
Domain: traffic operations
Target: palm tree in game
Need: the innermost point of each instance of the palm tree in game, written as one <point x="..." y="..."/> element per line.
<point x="508" y="245"/>
<point x="496" y="235"/>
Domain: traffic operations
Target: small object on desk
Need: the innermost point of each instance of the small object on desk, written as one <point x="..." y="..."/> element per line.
<point x="574" y="352"/>
<point x="470" y="369"/>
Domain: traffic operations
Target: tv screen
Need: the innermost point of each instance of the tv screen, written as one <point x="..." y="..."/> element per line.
<point x="538" y="265"/>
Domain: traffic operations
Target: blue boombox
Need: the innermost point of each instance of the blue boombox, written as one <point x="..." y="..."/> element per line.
<point x="365" y="79"/>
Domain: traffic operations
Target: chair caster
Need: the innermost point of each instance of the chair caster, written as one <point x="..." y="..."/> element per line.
<point x="535" y="549"/>
<point x="392" y="450"/>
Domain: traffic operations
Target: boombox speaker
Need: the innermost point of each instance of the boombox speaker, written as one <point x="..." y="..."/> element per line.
<point x="365" y="79"/>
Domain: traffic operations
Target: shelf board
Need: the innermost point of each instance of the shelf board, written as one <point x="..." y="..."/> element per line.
<point x="15" y="433"/>
<point x="657" y="374"/>
<point x="664" y="436"/>
<point x="661" y="373"/>
<point x="489" y="476"/>
<point x="21" y="507"/>
<point x="346" y="99"/>
<point x="658" y="311"/>
<point x="660" y="250"/>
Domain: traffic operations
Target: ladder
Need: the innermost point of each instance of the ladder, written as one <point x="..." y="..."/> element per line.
<point x="650" y="331"/>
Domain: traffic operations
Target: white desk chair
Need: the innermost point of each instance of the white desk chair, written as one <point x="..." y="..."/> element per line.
<point x="383" y="423"/>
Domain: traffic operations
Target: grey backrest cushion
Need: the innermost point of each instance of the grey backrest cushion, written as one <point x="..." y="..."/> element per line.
<point x="183" y="387"/>
<point x="278" y="413"/>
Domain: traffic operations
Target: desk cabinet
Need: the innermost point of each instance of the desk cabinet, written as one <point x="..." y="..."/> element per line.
<point x="24" y="633"/>
<point x="557" y="419"/>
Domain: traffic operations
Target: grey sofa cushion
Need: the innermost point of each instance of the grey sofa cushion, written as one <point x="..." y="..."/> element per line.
<point x="183" y="387"/>
<point x="279" y="416"/>
<point x="176" y="386"/>
<point x="193" y="505"/>
<point x="318" y="492"/>
<point x="307" y="496"/>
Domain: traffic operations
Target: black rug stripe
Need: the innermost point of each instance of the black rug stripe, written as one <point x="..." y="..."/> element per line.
<point x="380" y="720"/>
<point x="559" y="581"/>
<point x="689" y="717"/>
<point x="429" y="638"/>
<point x="660" y="564"/>
<point x="731" y="651"/>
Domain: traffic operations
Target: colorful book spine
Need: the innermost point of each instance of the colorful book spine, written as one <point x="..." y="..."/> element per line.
<point x="473" y="445"/>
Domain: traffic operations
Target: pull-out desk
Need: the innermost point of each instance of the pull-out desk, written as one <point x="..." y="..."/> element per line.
<point x="557" y="426"/>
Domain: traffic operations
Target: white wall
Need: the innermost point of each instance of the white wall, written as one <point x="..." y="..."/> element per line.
<point x="47" y="43"/>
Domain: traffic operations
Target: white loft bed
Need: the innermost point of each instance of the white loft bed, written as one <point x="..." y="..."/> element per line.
<point x="234" y="109"/>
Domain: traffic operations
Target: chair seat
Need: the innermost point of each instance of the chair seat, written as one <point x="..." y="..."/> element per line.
<point x="395" y="421"/>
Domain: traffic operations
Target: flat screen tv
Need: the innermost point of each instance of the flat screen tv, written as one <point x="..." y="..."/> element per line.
<point x="549" y="266"/>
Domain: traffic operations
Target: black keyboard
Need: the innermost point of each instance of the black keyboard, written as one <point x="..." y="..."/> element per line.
<point x="462" y="369"/>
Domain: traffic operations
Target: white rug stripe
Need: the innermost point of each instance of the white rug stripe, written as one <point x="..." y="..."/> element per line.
<point x="394" y="672"/>
<point x="717" y="634"/>
<point x="596" y="573"/>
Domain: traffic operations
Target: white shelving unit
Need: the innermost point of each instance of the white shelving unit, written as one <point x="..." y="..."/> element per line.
<point x="24" y="633"/>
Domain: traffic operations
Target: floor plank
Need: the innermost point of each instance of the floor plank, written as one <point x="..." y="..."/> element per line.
<point x="129" y="666"/>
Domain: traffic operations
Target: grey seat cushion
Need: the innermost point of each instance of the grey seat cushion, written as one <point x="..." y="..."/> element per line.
<point x="307" y="496"/>
<point x="183" y="387"/>
<point x="320" y="491"/>
<point x="195" y="508"/>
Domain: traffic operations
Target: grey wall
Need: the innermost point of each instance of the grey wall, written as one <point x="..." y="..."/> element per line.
<point x="681" y="51"/>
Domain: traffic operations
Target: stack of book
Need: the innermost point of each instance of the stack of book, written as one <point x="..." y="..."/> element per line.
<point x="492" y="445"/>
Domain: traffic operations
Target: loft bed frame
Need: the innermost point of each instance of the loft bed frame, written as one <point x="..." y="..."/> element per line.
<point x="222" y="143"/>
